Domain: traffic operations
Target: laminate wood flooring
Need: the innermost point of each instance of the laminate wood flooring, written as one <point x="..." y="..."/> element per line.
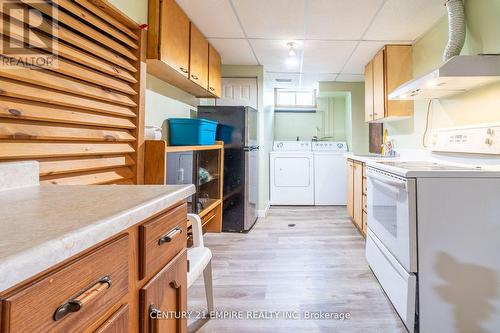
<point x="316" y="267"/>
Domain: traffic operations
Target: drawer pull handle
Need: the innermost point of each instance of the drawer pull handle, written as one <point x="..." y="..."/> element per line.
<point x="212" y="88"/>
<point x="194" y="77"/>
<point x="76" y="303"/>
<point x="183" y="69"/>
<point x="167" y="238"/>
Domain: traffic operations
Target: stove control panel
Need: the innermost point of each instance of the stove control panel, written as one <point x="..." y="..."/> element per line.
<point x="476" y="140"/>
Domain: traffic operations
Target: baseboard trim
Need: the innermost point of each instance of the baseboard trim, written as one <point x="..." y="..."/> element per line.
<point x="261" y="213"/>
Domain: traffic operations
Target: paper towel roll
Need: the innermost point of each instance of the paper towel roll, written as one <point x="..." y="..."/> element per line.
<point x="152" y="133"/>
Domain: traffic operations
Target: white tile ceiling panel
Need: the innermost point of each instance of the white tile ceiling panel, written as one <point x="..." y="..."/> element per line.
<point x="326" y="56"/>
<point x="271" y="19"/>
<point x="340" y="19"/>
<point x="310" y="80"/>
<point x="271" y="80"/>
<point x="215" y="18"/>
<point x="350" y="78"/>
<point x="405" y="19"/>
<point x="273" y="54"/>
<point x="361" y="56"/>
<point x="234" y="51"/>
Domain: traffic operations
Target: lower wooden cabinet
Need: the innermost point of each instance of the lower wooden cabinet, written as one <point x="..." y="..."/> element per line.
<point x="356" y="194"/>
<point x="104" y="290"/>
<point x="350" y="188"/>
<point x="117" y="323"/>
<point x="164" y="298"/>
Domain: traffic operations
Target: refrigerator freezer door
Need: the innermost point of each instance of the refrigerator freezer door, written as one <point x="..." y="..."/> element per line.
<point x="251" y="179"/>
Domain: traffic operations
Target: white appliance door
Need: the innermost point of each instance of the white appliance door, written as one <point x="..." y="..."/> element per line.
<point x="391" y="204"/>
<point x="330" y="181"/>
<point x="292" y="179"/>
<point x="398" y="284"/>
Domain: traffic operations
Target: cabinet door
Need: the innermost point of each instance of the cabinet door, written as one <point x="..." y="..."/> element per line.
<point x="174" y="37"/>
<point x="369" y="91"/>
<point x="398" y="70"/>
<point x="358" y="195"/>
<point x="214" y="72"/>
<point x="164" y="297"/>
<point x="350" y="189"/>
<point x="117" y="323"/>
<point x="378" y="86"/>
<point x="198" y="61"/>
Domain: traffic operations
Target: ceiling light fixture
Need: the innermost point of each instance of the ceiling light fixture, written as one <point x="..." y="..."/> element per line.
<point x="291" y="51"/>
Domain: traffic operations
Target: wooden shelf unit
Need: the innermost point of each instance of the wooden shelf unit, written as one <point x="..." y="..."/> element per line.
<point x="155" y="172"/>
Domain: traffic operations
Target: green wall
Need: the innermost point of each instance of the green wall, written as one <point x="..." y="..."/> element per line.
<point x="478" y="106"/>
<point x="356" y="130"/>
<point x="327" y="122"/>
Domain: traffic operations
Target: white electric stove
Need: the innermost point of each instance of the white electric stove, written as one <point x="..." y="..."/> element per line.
<point x="433" y="243"/>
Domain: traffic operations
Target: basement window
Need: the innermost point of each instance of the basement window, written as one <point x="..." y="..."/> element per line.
<point x="294" y="101"/>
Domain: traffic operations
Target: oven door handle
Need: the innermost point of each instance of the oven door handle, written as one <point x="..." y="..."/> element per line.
<point x="386" y="180"/>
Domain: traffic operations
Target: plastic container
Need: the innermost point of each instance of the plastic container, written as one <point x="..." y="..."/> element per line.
<point x="191" y="131"/>
<point x="225" y="133"/>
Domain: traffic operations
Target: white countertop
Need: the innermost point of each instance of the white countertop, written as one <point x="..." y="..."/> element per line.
<point x="41" y="226"/>
<point x="369" y="157"/>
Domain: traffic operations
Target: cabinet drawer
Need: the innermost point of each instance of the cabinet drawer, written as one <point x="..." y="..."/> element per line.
<point x="73" y="297"/>
<point x="161" y="239"/>
<point x="365" y="222"/>
<point x="166" y="293"/>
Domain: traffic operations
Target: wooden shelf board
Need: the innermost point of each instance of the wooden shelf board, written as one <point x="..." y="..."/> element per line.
<point x="210" y="207"/>
<point x="173" y="149"/>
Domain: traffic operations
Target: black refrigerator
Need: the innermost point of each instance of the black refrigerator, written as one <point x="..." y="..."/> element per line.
<point x="241" y="156"/>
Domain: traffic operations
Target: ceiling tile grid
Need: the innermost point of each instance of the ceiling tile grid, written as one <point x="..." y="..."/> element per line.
<point x="334" y="38"/>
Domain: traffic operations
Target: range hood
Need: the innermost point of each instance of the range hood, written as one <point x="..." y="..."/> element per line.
<point x="457" y="75"/>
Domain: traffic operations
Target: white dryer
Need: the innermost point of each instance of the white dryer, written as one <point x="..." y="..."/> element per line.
<point x="330" y="169"/>
<point x="292" y="173"/>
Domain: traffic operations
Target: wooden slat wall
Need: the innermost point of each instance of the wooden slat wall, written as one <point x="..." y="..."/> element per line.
<point x="82" y="120"/>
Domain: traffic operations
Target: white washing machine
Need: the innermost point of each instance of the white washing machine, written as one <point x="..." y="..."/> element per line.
<point x="330" y="170"/>
<point x="292" y="173"/>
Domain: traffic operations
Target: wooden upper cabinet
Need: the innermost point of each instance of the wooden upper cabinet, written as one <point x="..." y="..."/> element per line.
<point x="369" y="91"/>
<point x="391" y="67"/>
<point x="198" y="61"/>
<point x="171" y="42"/>
<point x="214" y="72"/>
<point x="398" y="70"/>
<point x="378" y="86"/>
<point x="178" y="53"/>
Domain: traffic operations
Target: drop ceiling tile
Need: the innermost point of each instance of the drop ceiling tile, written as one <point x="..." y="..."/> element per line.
<point x="276" y="80"/>
<point x="405" y="19"/>
<point x="340" y="19"/>
<point x="326" y="56"/>
<point x="271" y="19"/>
<point x="350" y="78"/>
<point x="310" y="81"/>
<point x="234" y="51"/>
<point x="214" y="18"/>
<point x="273" y="54"/>
<point x="361" y="56"/>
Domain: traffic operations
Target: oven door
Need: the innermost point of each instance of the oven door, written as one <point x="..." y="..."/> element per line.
<point x="392" y="215"/>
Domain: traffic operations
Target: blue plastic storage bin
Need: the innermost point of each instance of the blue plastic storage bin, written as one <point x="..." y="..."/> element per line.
<point x="225" y="133"/>
<point x="191" y="132"/>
